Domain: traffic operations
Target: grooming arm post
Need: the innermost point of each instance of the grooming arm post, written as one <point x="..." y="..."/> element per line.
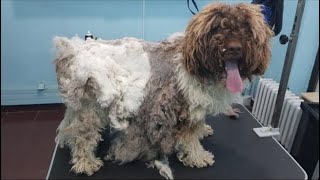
<point x="288" y="63"/>
<point x="273" y="129"/>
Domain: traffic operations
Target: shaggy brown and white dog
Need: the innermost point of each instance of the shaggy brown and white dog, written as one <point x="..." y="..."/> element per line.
<point x="156" y="94"/>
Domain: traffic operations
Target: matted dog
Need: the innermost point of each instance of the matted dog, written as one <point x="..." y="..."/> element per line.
<point x="155" y="95"/>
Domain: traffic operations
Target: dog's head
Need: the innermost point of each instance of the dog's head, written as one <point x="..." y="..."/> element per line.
<point x="226" y="44"/>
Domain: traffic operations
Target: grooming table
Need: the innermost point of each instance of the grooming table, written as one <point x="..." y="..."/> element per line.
<point x="239" y="154"/>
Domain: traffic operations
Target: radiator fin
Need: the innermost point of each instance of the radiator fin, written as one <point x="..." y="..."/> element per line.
<point x="263" y="107"/>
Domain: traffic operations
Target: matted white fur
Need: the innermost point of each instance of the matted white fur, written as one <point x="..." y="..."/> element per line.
<point x="121" y="71"/>
<point x="163" y="167"/>
<point x="175" y="36"/>
<point x="107" y="83"/>
<point x="204" y="99"/>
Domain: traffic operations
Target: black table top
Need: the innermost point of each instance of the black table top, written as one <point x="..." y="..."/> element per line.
<point x="239" y="154"/>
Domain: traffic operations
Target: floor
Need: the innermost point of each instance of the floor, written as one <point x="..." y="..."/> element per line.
<point x="27" y="139"/>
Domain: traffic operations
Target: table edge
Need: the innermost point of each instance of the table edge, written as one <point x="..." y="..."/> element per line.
<point x="305" y="174"/>
<point x="52" y="159"/>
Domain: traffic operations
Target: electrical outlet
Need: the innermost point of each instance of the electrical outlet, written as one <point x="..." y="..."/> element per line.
<point x="41" y="86"/>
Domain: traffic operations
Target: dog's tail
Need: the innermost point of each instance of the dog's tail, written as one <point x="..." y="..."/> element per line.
<point x="72" y="89"/>
<point x="163" y="167"/>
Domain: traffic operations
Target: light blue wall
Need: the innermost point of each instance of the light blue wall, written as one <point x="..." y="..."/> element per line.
<point x="27" y="29"/>
<point x="28" y="26"/>
<point x="306" y="49"/>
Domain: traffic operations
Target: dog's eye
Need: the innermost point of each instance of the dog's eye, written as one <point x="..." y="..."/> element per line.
<point x="215" y="29"/>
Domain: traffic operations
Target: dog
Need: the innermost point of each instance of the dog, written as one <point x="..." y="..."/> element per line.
<point x="154" y="96"/>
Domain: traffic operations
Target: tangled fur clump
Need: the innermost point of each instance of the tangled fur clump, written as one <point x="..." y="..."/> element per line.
<point x="155" y="95"/>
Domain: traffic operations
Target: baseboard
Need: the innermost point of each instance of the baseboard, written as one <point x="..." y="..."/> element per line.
<point x="29" y="96"/>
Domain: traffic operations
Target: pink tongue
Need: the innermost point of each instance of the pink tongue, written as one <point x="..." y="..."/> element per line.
<point x="234" y="82"/>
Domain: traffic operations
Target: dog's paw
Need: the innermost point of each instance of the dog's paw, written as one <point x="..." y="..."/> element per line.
<point x="196" y="159"/>
<point x="109" y="157"/>
<point x="86" y="166"/>
<point x="233" y="113"/>
<point x="236" y="110"/>
<point x="207" y="131"/>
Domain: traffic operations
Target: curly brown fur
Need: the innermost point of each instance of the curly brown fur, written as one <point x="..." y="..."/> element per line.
<point x="210" y="29"/>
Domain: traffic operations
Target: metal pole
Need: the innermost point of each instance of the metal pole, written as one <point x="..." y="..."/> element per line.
<point x="288" y="63"/>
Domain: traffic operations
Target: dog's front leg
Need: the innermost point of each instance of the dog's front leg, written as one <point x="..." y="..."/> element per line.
<point x="190" y="151"/>
<point x="233" y="112"/>
<point x="204" y="130"/>
<point x="82" y="136"/>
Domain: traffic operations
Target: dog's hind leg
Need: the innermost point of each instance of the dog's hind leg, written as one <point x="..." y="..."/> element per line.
<point x="61" y="136"/>
<point x="190" y="151"/>
<point x="82" y="135"/>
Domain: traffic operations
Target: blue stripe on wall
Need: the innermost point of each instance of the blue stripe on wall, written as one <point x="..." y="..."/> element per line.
<point x="30" y="96"/>
<point x="28" y="26"/>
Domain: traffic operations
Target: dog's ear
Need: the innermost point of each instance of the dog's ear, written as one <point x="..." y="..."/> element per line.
<point x="200" y="48"/>
<point x="258" y="50"/>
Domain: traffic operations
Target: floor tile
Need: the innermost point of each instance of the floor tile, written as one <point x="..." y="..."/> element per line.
<point x="43" y="135"/>
<point x="3" y="114"/>
<point x="17" y="117"/>
<point x="3" y="109"/>
<point x="27" y="143"/>
<point x="36" y="107"/>
<point x="2" y="160"/>
<point x="56" y="115"/>
<point x="15" y="147"/>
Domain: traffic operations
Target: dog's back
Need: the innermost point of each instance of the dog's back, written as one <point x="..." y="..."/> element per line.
<point x="114" y="74"/>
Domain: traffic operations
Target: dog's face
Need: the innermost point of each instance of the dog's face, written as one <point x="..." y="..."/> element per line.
<point x="227" y="43"/>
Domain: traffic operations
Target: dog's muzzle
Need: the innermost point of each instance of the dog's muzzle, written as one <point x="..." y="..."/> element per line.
<point x="232" y="50"/>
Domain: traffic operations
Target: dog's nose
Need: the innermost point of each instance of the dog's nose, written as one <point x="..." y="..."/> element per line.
<point x="233" y="46"/>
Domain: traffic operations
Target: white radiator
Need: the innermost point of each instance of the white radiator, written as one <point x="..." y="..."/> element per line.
<point x="264" y="102"/>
